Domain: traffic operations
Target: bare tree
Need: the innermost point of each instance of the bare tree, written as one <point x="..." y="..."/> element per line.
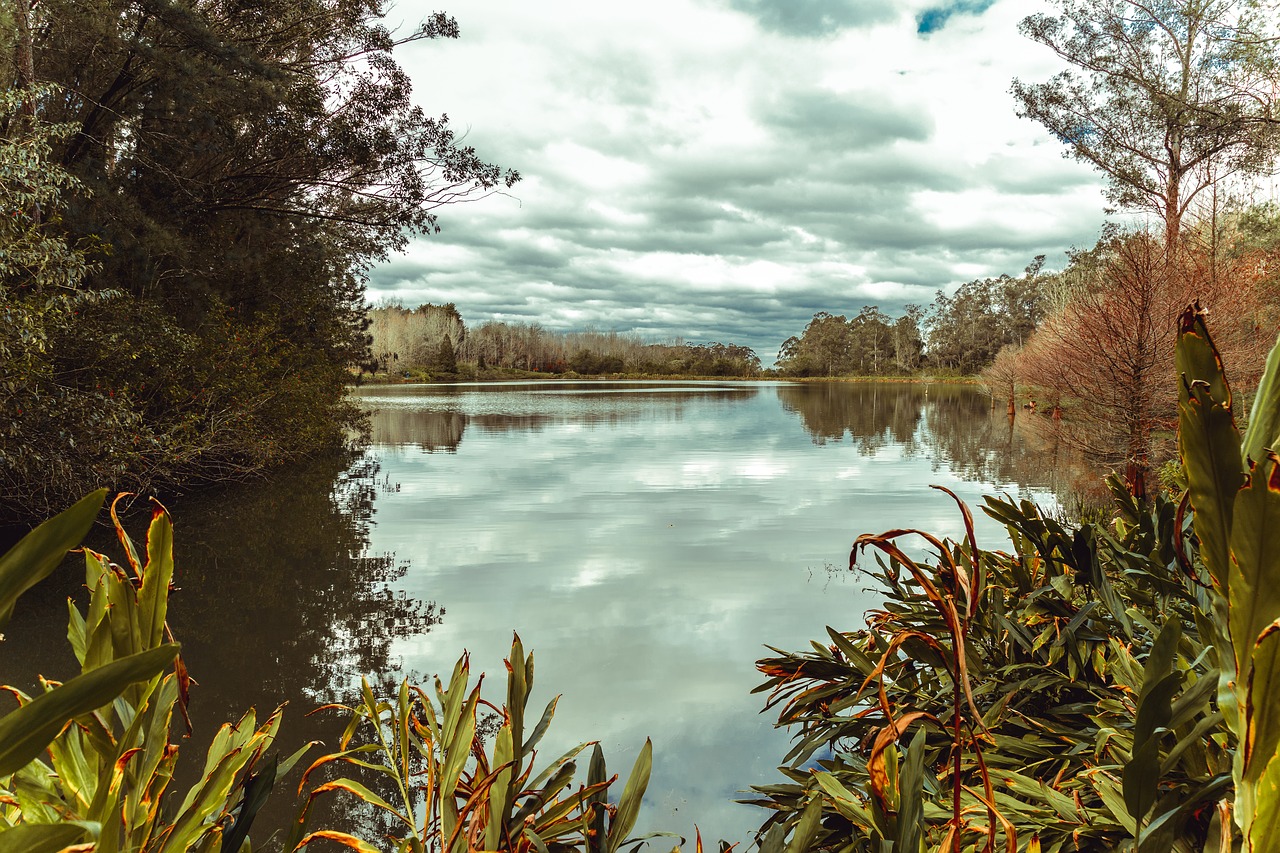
<point x="1109" y="354"/>
<point x="1001" y="377"/>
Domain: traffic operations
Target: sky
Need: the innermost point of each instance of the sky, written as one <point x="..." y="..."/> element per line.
<point x="720" y="170"/>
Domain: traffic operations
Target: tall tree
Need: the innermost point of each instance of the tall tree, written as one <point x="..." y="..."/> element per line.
<point x="238" y="168"/>
<point x="1166" y="98"/>
<point x="908" y="345"/>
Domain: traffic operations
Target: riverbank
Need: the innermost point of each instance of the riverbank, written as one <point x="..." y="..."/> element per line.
<point x="508" y="375"/>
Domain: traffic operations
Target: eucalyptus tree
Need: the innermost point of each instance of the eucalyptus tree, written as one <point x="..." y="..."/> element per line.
<point x="908" y="344"/>
<point x="1164" y="98"/>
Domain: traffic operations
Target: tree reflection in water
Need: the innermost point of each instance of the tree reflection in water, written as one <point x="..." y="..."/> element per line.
<point x="302" y="610"/>
<point x="277" y="601"/>
<point x="430" y="421"/>
<point x="957" y="429"/>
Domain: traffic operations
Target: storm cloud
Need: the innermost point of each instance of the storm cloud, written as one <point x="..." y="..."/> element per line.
<point x="722" y="169"/>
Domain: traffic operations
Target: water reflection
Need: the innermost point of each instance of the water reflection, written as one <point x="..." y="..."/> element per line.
<point x="646" y="542"/>
<point x="280" y="599"/>
<point x="435" y="417"/>
<point x="644" y="539"/>
<point x="956" y="428"/>
<point x="871" y="414"/>
<point x="287" y="566"/>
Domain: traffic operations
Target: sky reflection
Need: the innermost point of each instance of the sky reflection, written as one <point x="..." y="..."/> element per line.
<point x="647" y="549"/>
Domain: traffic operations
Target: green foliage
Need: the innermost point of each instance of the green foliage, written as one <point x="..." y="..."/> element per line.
<point x="92" y="760"/>
<point x="1163" y="99"/>
<point x="231" y="177"/>
<point x="968" y="328"/>
<point x="868" y="344"/>
<point x="453" y="793"/>
<point x="1107" y="686"/>
<point x="1234" y="486"/>
<point x="1060" y="692"/>
<point x="412" y="343"/>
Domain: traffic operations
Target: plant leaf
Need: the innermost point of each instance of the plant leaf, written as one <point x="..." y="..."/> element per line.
<point x="632" y="794"/>
<point x="26" y="732"/>
<point x="39" y="552"/>
<point x="1263" y="429"/>
<point x="41" y="838"/>
<point x="1207" y="441"/>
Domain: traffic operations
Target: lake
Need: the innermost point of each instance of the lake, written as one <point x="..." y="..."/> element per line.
<point x="645" y="539"/>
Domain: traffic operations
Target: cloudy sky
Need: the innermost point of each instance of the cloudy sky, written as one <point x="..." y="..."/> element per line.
<point x="722" y="169"/>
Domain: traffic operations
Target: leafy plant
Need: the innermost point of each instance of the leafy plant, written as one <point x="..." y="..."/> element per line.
<point x="1032" y="680"/>
<point x="91" y="761"/>
<point x="452" y="793"/>
<point x="1101" y="687"/>
<point x="1234" y="486"/>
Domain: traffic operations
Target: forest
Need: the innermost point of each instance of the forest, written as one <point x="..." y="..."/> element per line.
<point x="433" y="341"/>
<point x="196" y="193"/>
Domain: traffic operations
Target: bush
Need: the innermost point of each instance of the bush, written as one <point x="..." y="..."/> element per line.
<point x="1101" y="687"/>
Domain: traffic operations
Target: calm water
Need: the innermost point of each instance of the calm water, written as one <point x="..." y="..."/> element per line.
<point x="646" y="540"/>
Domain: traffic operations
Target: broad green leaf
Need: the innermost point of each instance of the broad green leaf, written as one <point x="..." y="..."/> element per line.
<point x="1158" y="835"/>
<point x="518" y="688"/>
<point x="632" y="794"/>
<point x="536" y="798"/>
<point x="595" y="805"/>
<point x="26" y="732"/>
<point x="458" y="750"/>
<point x="1254" y="595"/>
<point x="910" y="797"/>
<point x="554" y="767"/>
<point x="807" y="828"/>
<point x="40" y="551"/>
<point x="503" y="753"/>
<point x="1207" y="442"/>
<point x="354" y="787"/>
<point x="41" y="838"/>
<point x="153" y="597"/>
<point x="1195" y="738"/>
<point x="843" y="799"/>
<point x="1141" y="776"/>
<point x="1164" y="652"/>
<point x="1263" y="429"/>
<point x="1109" y="792"/>
<point x="76" y="633"/>
<point x="541" y="728"/>
<point x="1033" y="789"/>
<point x="1263" y="703"/>
<point x="1265" y="832"/>
<point x="207" y="800"/>
<point x="257" y="788"/>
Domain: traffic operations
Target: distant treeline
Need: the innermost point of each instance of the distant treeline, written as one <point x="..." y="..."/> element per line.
<point x="958" y="334"/>
<point x="434" y="340"/>
<point x="1228" y="262"/>
<point x="1091" y="345"/>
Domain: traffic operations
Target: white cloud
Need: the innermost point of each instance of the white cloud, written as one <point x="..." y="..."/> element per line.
<point x="725" y="168"/>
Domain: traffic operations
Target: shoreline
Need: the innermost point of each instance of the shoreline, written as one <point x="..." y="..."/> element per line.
<point x="532" y="376"/>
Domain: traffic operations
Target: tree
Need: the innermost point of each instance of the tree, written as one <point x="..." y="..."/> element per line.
<point x="446" y="360"/>
<point x="1167" y="98"/>
<point x="1109" y="353"/>
<point x="908" y="345"/>
<point x="968" y="328"/>
<point x="1001" y="377"/>
<point x="237" y="171"/>
<point x="871" y="339"/>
